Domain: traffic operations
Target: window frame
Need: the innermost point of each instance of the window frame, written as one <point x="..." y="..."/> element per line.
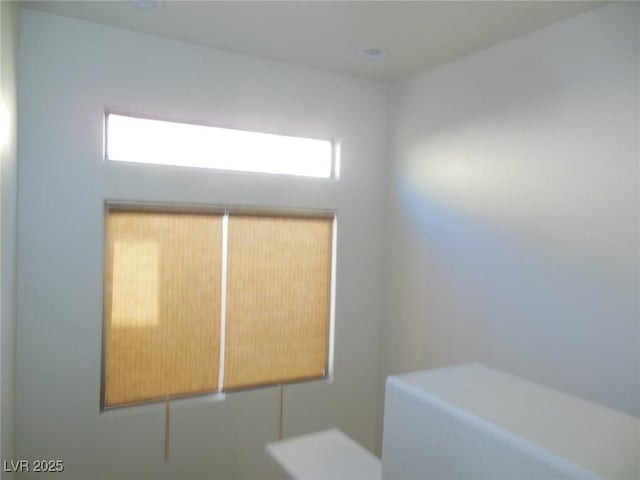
<point x="186" y="208"/>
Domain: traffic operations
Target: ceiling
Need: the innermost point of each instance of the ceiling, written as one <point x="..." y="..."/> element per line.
<point x="331" y="34"/>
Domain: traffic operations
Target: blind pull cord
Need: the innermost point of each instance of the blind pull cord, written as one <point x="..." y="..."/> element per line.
<point x="167" y="437"/>
<point x="281" y="417"/>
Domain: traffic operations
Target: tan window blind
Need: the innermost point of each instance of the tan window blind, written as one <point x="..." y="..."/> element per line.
<point x="164" y="312"/>
<point x="162" y="305"/>
<point x="277" y="299"/>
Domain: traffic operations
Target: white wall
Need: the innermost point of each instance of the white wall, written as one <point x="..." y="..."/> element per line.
<point x="9" y="13"/>
<point x="69" y="72"/>
<point x="511" y="235"/>
<point x="513" y="214"/>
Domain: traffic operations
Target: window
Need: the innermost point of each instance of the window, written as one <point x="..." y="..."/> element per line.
<point x="203" y="302"/>
<point x="141" y="140"/>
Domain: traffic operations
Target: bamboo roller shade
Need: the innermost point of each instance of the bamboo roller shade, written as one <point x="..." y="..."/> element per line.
<point x="162" y="305"/>
<point x="163" y="296"/>
<point x="278" y="287"/>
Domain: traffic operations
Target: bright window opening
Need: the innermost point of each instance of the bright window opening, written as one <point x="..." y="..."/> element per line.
<point x="140" y="140"/>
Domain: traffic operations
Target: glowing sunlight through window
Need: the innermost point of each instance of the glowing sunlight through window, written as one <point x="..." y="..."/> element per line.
<point x="135" y="284"/>
<point x="139" y="140"/>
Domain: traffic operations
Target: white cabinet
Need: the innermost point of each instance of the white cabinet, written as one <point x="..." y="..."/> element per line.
<point x="474" y="422"/>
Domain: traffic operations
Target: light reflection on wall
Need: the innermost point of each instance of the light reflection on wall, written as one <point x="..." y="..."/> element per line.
<point x="5" y="126"/>
<point x="135" y="284"/>
<point x="474" y="173"/>
<point x="518" y="250"/>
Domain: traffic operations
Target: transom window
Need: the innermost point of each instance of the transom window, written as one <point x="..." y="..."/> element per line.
<point x="141" y="140"/>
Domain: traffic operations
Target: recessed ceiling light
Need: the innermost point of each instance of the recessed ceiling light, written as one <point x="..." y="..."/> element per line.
<point x="146" y="4"/>
<point x="375" y="54"/>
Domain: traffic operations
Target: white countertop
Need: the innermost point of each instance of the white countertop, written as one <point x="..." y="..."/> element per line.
<point x="325" y="455"/>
